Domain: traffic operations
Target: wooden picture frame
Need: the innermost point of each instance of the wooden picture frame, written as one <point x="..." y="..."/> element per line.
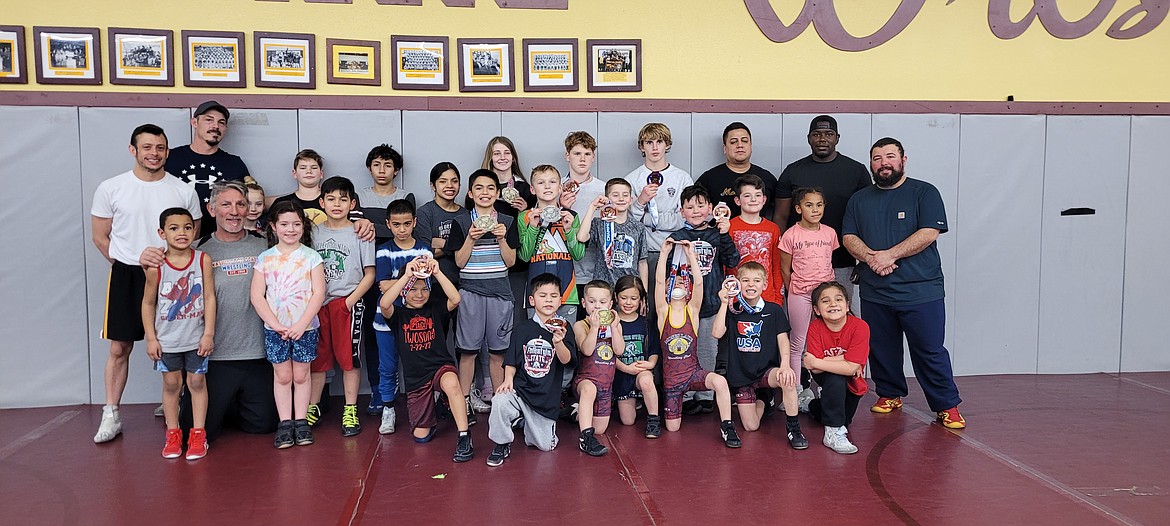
<point x="13" y="57"/>
<point x="214" y="59"/>
<point x="420" y="63"/>
<point x="614" y="65"/>
<point x="550" y="64"/>
<point x="141" y="57"/>
<point x="353" y="61"/>
<point x="68" y="55"/>
<point x="485" y="64"/>
<point x="285" y="60"/>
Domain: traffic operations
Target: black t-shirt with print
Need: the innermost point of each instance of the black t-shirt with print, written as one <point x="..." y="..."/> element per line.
<point x="538" y="370"/>
<point x="751" y="337"/>
<point x="422" y="343"/>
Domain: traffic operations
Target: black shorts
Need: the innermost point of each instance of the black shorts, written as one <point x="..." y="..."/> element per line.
<point x="123" y="320"/>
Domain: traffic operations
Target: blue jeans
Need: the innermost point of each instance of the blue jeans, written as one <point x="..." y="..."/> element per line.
<point x="387" y="388"/>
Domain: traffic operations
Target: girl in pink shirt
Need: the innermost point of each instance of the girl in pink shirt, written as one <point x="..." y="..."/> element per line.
<point x="806" y="260"/>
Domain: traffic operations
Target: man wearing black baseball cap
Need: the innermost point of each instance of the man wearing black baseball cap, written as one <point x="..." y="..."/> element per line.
<point x="202" y="163"/>
<point x="838" y="177"/>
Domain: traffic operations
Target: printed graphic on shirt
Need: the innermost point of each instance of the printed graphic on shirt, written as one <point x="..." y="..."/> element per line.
<point x="235" y="266"/>
<point x="538" y="357"/>
<point x="623" y="252"/>
<point x="552" y="245"/>
<point x="334" y="255"/>
<point x="202" y="176"/>
<point x="633" y="351"/>
<point x="678" y="344"/>
<point x="444" y="230"/>
<point x="180" y="299"/>
<point x="418" y="333"/>
<point x="753" y="245"/>
<point x="704" y="252"/>
<point x="604" y="352"/>
<point x="748" y="338"/>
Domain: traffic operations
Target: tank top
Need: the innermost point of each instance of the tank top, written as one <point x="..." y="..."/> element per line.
<point x="598" y="367"/>
<point x="678" y="350"/>
<point x="178" y="322"/>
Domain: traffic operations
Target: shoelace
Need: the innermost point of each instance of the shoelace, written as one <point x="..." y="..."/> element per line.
<point x="350" y="417"/>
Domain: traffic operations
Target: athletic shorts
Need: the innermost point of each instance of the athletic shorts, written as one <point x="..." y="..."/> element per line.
<point x="697" y="381"/>
<point x="190" y="361"/>
<point x="747" y="394"/>
<point x="604" y="401"/>
<point x="341" y="338"/>
<point x="483" y="320"/>
<point x="280" y="350"/>
<point x="625" y="386"/>
<point x="123" y="321"/>
<point x="420" y="403"/>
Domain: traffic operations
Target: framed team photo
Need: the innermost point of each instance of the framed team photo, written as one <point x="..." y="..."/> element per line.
<point x="485" y="64"/>
<point x="68" y="55"/>
<point x="141" y="57"/>
<point x="614" y="65"/>
<point x="213" y="59"/>
<point x="550" y="64"/>
<point x="12" y="55"/>
<point x="420" y="63"/>
<point x="285" y="60"/>
<point x="354" y="61"/>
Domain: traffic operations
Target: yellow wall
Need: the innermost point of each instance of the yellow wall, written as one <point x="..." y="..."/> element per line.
<point x="692" y="49"/>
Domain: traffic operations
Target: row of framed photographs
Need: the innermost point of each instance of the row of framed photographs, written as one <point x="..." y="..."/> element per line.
<point x="71" y="55"/>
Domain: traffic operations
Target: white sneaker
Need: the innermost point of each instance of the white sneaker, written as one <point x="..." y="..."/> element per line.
<point x="477" y="403"/>
<point x="158" y="411"/>
<point x="111" y="425"/>
<point x="388" y="419"/>
<point x="836" y="440"/>
<point x="803" y="398"/>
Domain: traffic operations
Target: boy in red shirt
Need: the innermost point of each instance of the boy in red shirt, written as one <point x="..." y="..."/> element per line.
<point x="835" y="353"/>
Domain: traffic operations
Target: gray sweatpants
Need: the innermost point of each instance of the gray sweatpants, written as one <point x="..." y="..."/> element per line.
<point x="539" y="431"/>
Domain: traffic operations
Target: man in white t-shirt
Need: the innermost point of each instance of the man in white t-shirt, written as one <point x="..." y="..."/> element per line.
<point x="126" y="211"/>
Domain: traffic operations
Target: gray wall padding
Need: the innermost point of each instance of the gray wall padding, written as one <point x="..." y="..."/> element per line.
<point x="1028" y="290"/>
<point x="617" y="142"/>
<point x="1143" y="341"/>
<point x="430" y="137"/>
<point x="1082" y="258"/>
<point x="996" y="227"/>
<point x="267" y="140"/>
<point x="44" y="352"/>
<point x="345" y="137"/>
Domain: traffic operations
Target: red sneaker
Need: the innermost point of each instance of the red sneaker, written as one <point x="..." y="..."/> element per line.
<point x="197" y="444"/>
<point x="174" y="445"/>
<point x="951" y="419"/>
<point x="885" y="405"/>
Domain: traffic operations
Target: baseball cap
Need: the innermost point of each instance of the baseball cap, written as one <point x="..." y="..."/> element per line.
<point x="822" y="122"/>
<point x="213" y="105"/>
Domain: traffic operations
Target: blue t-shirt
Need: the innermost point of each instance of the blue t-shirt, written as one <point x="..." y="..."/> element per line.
<point x="388" y="264"/>
<point x="883" y="218"/>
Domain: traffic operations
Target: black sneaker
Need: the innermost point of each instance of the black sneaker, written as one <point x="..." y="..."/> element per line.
<point x="590" y="445"/>
<point x="730" y="438"/>
<point x="653" y="426"/>
<point x="518" y="424"/>
<point x="499" y="453"/>
<point x="471" y="419"/>
<point x="706" y="406"/>
<point x="463" y="449"/>
<point x="350" y="425"/>
<point x="691" y="407"/>
<point x="796" y="439"/>
<point x="301" y="433"/>
<point x="284" y="435"/>
<point x="768" y="396"/>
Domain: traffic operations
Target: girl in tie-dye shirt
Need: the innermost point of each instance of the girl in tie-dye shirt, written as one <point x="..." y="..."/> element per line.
<point x="288" y="288"/>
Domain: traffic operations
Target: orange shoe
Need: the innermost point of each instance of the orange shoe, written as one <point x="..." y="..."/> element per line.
<point x="951" y="419"/>
<point x="197" y="444"/>
<point x="174" y="445"/>
<point x="886" y="405"/>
